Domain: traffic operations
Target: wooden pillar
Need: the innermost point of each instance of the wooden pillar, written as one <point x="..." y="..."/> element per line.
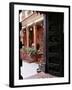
<point x="27" y="34"/>
<point x="34" y="31"/>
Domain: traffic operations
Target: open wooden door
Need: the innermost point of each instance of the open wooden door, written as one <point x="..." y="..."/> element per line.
<point x="55" y="44"/>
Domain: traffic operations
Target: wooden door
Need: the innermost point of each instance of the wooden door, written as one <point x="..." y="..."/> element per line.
<point x="55" y="44"/>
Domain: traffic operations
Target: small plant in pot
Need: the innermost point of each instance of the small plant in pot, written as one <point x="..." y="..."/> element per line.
<point x="32" y="52"/>
<point x="24" y="53"/>
<point x="29" y="53"/>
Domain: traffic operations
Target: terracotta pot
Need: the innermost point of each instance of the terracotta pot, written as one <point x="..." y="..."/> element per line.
<point x="27" y="57"/>
<point x="33" y="57"/>
<point x="23" y="55"/>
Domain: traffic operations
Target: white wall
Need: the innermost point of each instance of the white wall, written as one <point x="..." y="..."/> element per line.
<point x="4" y="43"/>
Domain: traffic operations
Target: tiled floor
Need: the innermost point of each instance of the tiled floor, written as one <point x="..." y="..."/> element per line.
<point x="40" y="75"/>
<point x="29" y="71"/>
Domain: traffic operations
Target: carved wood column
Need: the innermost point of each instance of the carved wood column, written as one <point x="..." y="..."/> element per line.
<point x="27" y="34"/>
<point x="34" y="31"/>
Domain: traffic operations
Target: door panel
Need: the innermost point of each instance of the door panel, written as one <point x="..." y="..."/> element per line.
<point x="54" y="43"/>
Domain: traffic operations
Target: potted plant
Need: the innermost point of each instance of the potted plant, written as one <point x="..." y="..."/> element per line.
<point x="23" y="53"/>
<point x="28" y="54"/>
<point x="32" y="51"/>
